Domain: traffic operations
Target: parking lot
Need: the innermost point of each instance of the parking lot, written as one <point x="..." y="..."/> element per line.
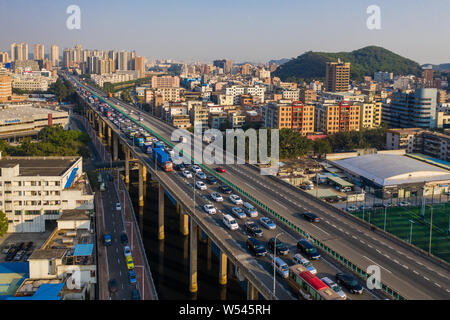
<point x="12" y="241"/>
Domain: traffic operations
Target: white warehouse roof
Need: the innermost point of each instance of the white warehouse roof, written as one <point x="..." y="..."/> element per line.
<point x="390" y="170"/>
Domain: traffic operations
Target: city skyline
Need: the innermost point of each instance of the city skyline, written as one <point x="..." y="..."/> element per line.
<point x="202" y="31"/>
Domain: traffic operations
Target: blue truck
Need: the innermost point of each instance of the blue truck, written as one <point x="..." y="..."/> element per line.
<point x="139" y="141"/>
<point x="158" y="144"/>
<point x="107" y="241"/>
<point x="162" y="159"/>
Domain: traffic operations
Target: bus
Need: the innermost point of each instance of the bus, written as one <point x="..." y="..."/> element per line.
<point x="308" y="286"/>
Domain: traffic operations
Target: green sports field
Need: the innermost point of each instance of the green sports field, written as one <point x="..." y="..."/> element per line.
<point x="398" y="222"/>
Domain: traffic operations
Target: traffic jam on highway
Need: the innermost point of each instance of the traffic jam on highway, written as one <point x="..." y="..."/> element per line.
<point x="259" y="233"/>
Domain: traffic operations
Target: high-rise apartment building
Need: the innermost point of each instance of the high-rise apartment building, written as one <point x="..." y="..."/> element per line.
<point x="416" y="109"/>
<point x="293" y="115"/>
<point x="4" y="57"/>
<point x="19" y="51"/>
<point x="337" y="118"/>
<point x="122" y="60"/>
<point x="427" y="75"/>
<point x="5" y="85"/>
<point x="371" y="115"/>
<point x="165" y="82"/>
<point x="54" y="55"/>
<point x="67" y="58"/>
<point x="337" y="76"/>
<point x="39" y="51"/>
<point x="225" y="64"/>
<point x="139" y="66"/>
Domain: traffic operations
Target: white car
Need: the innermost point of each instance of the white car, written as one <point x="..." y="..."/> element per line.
<point x="200" y="175"/>
<point x="209" y="208"/>
<point x="299" y="259"/>
<point x="352" y="208"/>
<point x="238" y="212"/>
<point x="236" y="199"/>
<point x="335" y="287"/>
<point x="404" y="203"/>
<point x="195" y="168"/>
<point x="118" y="206"/>
<point x="187" y="174"/>
<point x="266" y="222"/>
<point x="200" y="185"/>
<point x="127" y="251"/>
<point x="216" y="197"/>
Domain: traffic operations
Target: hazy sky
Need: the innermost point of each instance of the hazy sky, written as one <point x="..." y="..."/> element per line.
<point x="244" y="30"/>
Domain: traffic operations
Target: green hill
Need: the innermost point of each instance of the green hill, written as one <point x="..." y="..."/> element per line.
<point x="365" y="61"/>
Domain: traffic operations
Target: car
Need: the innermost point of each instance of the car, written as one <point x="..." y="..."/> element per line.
<point x="256" y="246"/>
<point x="135" y="294"/>
<point x="6" y="248"/>
<point x="299" y="259"/>
<point x="216" y="197"/>
<point x="132" y="276"/>
<point x="180" y="167"/>
<point x="127" y="251"/>
<point x="195" y="168"/>
<point x="200" y="185"/>
<point x="308" y="248"/>
<point x="311" y="217"/>
<point x="352" y="208"/>
<point x="211" y="180"/>
<point x="19" y="255"/>
<point x="107" y="239"/>
<point x="220" y="169"/>
<point x="10" y="256"/>
<point x="118" y="206"/>
<point x="334" y="287"/>
<point x="404" y="203"/>
<point x="236" y="199"/>
<point x="112" y="285"/>
<point x="124" y="238"/>
<point x="187" y="174"/>
<point x="365" y="207"/>
<point x="200" y="175"/>
<point x="225" y="189"/>
<point x="349" y="282"/>
<point x="209" y="208"/>
<point x="238" y="212"/>
<point x="266" y="222"/>
<point x="281" y="247"/>
<point x="130" y="263"/>
<point x="26" y="256"/>
<point x="253" y="229"/>
<point x="21" y="245"/>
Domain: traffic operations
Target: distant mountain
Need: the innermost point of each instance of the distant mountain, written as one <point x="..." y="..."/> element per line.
<point x="437" y="67"/>
<point x="365" y="61"/>
<point x="279" y="62"/>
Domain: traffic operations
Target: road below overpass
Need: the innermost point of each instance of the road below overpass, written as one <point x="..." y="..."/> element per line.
<point x="408" y="272"/>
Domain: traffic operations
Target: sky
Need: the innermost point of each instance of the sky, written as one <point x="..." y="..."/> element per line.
<point x="244" y="30"/>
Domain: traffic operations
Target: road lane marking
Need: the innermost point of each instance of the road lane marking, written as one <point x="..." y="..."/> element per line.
<point x="377" y="264"/>
<point x="321" y="229"/>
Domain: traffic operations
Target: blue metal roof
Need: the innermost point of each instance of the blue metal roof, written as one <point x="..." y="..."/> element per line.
<point x="47" y="291"/>
<point x="83" y="250"/>
<point x="71" y="178"/>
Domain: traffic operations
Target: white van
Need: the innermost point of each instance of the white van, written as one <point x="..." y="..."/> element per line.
<point x="230" y="222"/>
<point x="281" y="267"/>
<point x="250" y="210"/>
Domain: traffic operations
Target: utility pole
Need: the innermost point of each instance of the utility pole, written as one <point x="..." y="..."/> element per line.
<point x="431" y="229"/>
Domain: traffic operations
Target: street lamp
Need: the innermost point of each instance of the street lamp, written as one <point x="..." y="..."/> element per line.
<point x="410" y="231"/>
<point x="431" y="227"/>
<point x="385" y="213"/>
<point x="274" y="255"/>
<point x="131" y="227"/>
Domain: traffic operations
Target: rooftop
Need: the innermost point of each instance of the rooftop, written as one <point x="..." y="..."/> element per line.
<point x="390" y="170"/>
<point x="27" y="112"/>
<point x="48" y="254"/>
<point x="39" y="166"/>
<point x="74" y="215"/>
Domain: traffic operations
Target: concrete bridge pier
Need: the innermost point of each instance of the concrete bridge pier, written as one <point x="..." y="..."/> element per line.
<point x="141" y="185"/>
<point x="252" y="293"/>
<point x="127" y="166"/>
<point x="208" y="254"/>
<point x="184" y="220"/>
<point x="193" y="287"/>
<point x="160" y="212"/>
<point x="109" y="136"/>
<point x="223" y="268"/>
<point x="115" y="147"/>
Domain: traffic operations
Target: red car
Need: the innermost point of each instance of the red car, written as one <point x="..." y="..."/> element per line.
<point x="220" y="169"/>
